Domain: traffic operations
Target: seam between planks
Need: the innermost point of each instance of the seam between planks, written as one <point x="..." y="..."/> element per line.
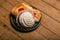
<point x="50" y="5"/>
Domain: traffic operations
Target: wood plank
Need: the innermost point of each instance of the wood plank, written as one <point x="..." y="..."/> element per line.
<point x="49" y="22"/>
<point x="24" y="35"/>
<point x="14" y="2"/>
<point x="49" y="36"/>
<point x="53" y="3"/>
<point x="47" y="33"/>
<point x="5" y="4"/>
<point x="7" y="35"/>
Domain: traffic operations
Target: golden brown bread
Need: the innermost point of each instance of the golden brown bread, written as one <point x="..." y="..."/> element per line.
<point x="36" y="13"/>
<point x="22" y="5"/>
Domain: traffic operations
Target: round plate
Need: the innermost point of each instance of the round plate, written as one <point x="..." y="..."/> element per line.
<point x="20" y="28"/>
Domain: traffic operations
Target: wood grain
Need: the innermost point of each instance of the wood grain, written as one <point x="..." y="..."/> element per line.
<point x="53" y="3"/>
<point x="48" y="30"/>
<point x="7" y="35"/>
<point x="22" y="35"/>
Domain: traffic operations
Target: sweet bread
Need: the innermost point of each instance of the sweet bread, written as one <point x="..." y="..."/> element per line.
<point x="20" y="7"/>
<point x="37" y="15"/>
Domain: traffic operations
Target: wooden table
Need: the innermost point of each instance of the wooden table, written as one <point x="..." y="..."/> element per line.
<point x="49" y="28"/>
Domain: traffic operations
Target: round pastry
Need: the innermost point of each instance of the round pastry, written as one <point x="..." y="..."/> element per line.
<point x="19" y="8"/>
<point x="37" y="15"/>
